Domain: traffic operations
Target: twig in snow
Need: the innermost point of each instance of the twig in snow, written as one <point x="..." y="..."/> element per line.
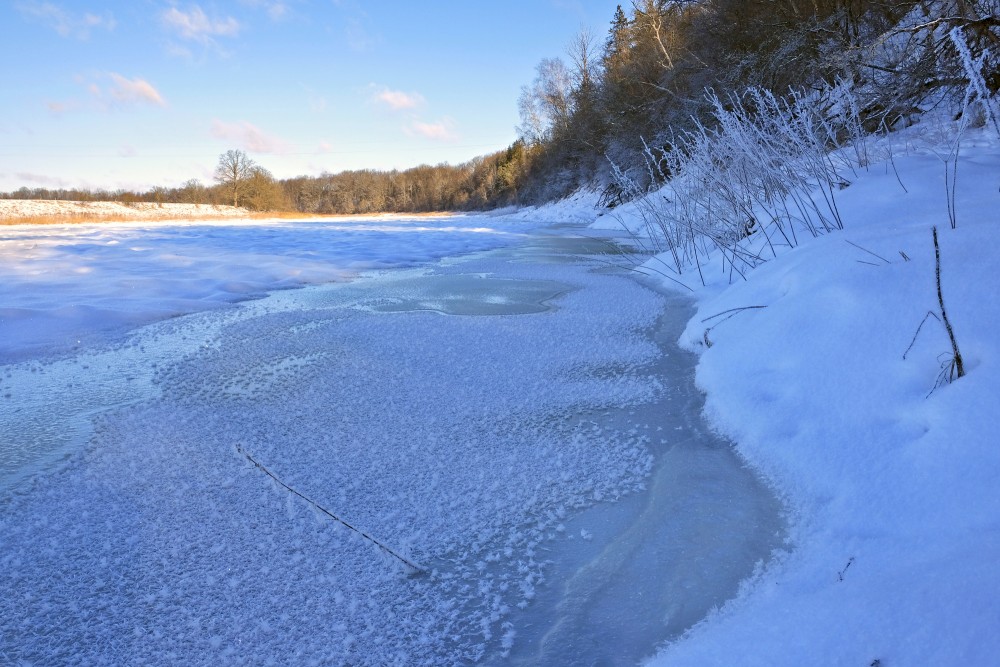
<point x="605" y="262"/>
<point x="868" y="251"/>
<point x="930" y="313"/>
<point x="414" y="568"/>
<point x="957" y="370"/>
<point x="946" y="374"/>
<point x="840" y="575"/>
<point x="643" y="268"/>
<point x="731" y="310"/>
<point x="892" y="161"/>
<point x="952" y="367"/>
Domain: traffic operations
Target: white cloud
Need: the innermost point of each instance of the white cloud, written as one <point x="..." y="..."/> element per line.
<point x="179" y="51"/>
<point x="248" y="136"/>
<point x="195" y="25"/>
<point x="134" y="91"/>
<point x="406" y="103"/>
<point x="358" y="37"/>
<point x="109" y="90"/>
<point x="443" y="130"/>
<point x="397" y="100"/>
<point x="275" y="9"/>
<point x="356" y="26"/>
<point x="60" y="108"/>
<point x="64" y="22"/>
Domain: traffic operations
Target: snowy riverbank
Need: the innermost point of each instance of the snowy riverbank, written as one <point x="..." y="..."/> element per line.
<point x="889" y="476"/>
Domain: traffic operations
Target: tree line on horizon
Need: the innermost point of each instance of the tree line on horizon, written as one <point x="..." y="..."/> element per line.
<point x="620" y="98"/>
<point x="484" y="182"/>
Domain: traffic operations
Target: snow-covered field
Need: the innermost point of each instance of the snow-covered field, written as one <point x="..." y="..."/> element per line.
<point x="13" y="209"/>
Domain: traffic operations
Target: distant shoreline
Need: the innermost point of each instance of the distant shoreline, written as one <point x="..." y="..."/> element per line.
<point x="60" y="212"/>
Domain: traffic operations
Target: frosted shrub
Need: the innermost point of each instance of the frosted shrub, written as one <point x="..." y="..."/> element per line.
<point x="765" y="171"/>
<point x="974" y="68"/>
<point x="977" y="96"/>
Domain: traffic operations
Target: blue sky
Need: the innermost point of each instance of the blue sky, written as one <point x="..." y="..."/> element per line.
<point x="150" y="92"/>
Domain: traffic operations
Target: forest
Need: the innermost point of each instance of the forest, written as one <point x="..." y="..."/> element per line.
<point x="622" y="103"/>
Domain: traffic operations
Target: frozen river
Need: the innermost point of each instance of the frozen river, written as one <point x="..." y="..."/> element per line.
<point x="516" y="421"/>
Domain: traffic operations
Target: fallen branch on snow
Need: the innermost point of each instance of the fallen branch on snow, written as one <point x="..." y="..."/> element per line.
<point x="414" y="568"/>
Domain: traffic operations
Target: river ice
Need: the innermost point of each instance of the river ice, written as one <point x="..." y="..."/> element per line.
<point x="490" y="450"/>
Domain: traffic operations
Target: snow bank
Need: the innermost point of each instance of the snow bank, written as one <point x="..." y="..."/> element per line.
<point x="578" y="209"/>
<point x="890" y="479"/>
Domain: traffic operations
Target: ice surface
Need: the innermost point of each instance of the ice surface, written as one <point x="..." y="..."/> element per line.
<point x="464" y="294"/>
<point x="67" y="286"/>
<point x="635" y="573"/>
<point x="461" y="442"/>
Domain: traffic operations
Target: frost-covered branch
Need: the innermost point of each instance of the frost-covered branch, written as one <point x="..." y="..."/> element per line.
<point x="761" y="172"/>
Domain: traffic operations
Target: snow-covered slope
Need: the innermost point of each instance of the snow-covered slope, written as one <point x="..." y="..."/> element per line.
<point x="889" y="476"/>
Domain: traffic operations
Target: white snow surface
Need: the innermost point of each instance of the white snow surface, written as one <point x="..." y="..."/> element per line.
<point x="890" y="484"/>
<point x="13" y="209"/>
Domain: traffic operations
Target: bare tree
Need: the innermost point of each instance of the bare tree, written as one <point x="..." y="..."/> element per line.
<point x="547" y="104"/>
<point x="582" y="54"/>
<point x="235" y="168"/>
<point x="192" y="192"/>
<point x="261" y="192"/>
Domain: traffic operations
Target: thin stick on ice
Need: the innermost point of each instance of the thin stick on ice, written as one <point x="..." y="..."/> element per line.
<point x="406" y="561"/>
